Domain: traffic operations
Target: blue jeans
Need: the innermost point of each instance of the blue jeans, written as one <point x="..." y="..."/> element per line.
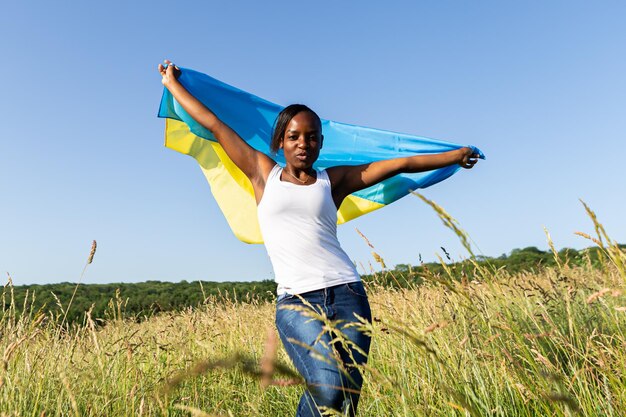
<point x="327" y="366"/>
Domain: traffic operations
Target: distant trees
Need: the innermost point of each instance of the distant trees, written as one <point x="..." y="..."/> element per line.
<point x="140" y="300"/>
<point x="132" y="299"/>
<point x="529" y="259"/>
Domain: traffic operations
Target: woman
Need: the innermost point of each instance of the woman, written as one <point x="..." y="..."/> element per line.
<point x="297" y="210"/>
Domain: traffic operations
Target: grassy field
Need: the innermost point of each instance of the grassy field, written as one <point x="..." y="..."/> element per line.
<point x="471" y="342"/>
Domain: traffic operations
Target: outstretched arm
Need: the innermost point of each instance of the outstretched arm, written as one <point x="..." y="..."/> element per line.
<point x="254" y="164"/>
<point x="345" y="179"/>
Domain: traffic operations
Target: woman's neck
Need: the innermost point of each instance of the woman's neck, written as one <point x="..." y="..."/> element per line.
<point x="299" y="176"/>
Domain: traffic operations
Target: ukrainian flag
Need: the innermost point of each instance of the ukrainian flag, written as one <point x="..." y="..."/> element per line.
<point x="253" y="118"/>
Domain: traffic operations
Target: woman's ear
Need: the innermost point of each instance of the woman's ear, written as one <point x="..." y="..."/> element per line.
<point x="321" y="141"/>
<point x="280" y="144"/>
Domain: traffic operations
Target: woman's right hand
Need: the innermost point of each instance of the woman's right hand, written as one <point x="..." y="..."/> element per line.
<point x="169" y="73"/>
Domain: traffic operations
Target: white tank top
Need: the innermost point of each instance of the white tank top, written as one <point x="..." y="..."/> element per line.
<point x="299" y="227"/>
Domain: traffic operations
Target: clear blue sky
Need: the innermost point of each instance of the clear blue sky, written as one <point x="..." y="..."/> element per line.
<point x="538" y="86"/>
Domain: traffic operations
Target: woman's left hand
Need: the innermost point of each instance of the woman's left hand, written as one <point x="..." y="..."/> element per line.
<point x="468" y="158"/>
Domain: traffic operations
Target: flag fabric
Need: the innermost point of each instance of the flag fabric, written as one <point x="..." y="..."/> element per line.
<point x="253" y="119"/>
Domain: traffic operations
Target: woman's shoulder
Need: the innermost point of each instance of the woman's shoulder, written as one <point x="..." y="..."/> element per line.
<point x="334" y="173"/>
<point x="275" y="170"/>
<point x="322" y="174"/>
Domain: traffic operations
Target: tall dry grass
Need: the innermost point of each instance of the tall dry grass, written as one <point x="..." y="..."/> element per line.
<point x="471" y="342"/>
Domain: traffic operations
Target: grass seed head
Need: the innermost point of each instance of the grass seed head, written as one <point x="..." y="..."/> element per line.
<point x="93" y="252"/>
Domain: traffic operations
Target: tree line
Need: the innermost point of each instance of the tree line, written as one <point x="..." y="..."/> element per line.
<point x="144" y="299"/>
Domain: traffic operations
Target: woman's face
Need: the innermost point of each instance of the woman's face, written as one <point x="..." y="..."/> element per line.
<point x="302" y="140"/>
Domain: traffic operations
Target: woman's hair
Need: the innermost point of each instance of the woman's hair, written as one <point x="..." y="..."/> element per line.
<point x="283" y="119"/>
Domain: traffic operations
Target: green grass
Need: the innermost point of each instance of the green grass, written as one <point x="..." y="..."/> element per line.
<point x="471" y="341"/>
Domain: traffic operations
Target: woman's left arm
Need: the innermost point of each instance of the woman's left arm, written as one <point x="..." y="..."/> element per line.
<point x="346" y="179"/>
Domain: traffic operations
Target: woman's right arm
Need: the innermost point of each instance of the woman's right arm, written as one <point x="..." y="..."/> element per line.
<point x="254" y="164"/>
